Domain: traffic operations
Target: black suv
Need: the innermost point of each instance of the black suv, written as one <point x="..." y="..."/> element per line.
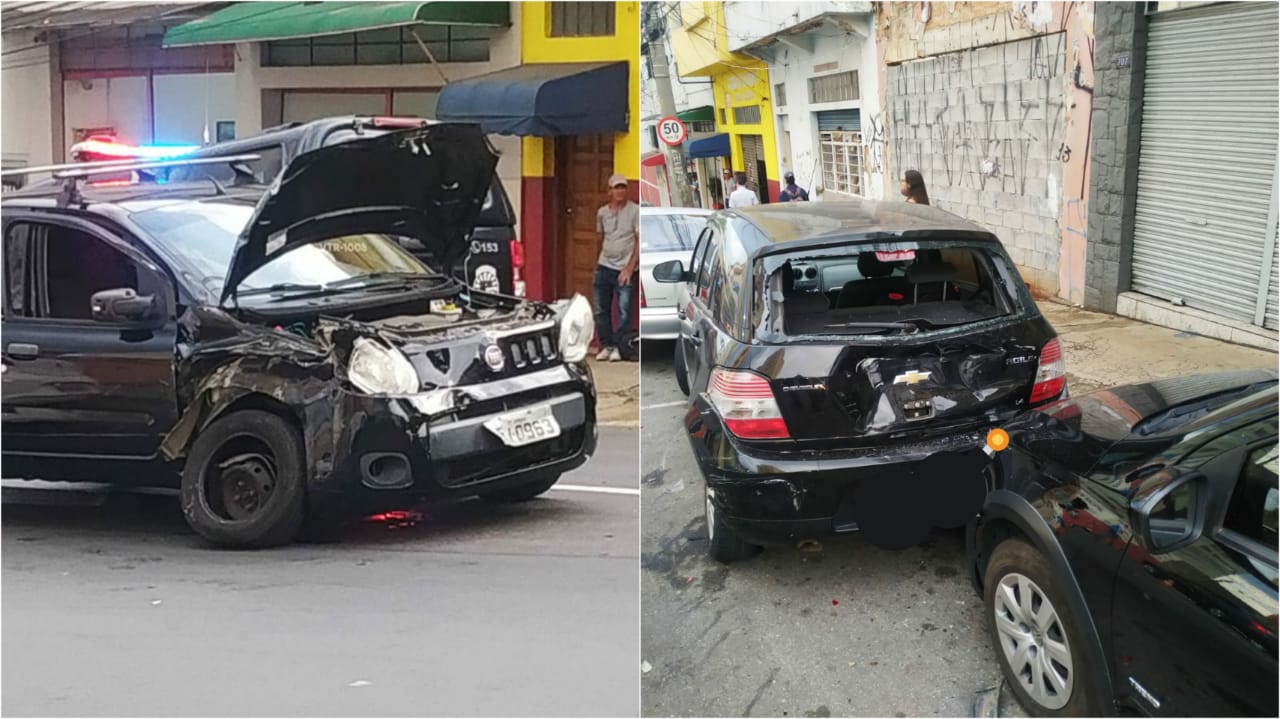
<point x="845" y="361"/>
<point x="276" y="353"/>
<point x="1127" y="552"/>
<point x="495" y="256"/>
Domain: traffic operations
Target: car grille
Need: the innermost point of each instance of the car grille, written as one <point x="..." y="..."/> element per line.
<point x="530" y="350"/>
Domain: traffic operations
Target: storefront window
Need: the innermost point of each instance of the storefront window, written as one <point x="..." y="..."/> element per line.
<point x="841" y="153"/>
<point x="393" y="46"/>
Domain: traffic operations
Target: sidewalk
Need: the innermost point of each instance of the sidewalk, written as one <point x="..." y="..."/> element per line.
<point x="1106" y="350"/>
<point x="618" y="393"/>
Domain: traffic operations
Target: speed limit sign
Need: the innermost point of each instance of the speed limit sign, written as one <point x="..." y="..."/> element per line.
<point x="671" y="131"/>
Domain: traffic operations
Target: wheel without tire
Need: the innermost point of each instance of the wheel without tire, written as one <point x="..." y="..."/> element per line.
<point x="521" y="492"/>
<point x="244" y="483"/>
<point x="682" y="371"/>
<point x="1037" y="639"/>
<point x="724" y="544"/>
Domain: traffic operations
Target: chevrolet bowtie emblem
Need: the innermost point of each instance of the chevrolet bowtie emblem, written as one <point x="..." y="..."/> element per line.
<point x="912" y="377"/>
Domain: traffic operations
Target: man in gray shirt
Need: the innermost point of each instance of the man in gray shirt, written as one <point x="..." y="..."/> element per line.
<point x="619" y="226"/>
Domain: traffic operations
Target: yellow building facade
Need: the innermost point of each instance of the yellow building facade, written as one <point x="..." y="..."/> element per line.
<point x="740" y="84"/>
<point x="564" y="177"/>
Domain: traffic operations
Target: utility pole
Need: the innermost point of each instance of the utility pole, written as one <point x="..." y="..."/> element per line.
<point x="657" y="37"/>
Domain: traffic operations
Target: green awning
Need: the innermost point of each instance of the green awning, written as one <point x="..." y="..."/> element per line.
<point x="261" y="21"/>
<point x="706" y="113"/>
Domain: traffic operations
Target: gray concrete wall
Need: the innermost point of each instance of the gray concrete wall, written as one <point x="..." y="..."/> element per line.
<point x="985" y="128"/>
<point x="1117" y="122"/>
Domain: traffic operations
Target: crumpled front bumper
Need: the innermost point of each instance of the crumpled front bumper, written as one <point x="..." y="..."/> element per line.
<point x="434" y="445"/>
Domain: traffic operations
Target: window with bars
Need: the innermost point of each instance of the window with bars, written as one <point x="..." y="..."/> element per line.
<point x="702" y="126"/>
<point x="749" y="115"/>
<point x="839" y="87"/>
<point x="780" y="95"/>
<point x="841" y="155"/>
<point x="582" y="19"/>
<point x="392" y="46"/>
<point x="723" y="121"/>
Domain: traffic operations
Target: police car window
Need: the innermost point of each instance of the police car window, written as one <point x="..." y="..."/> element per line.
<point x="78" y="265"/>
<point x="17" y="269"/>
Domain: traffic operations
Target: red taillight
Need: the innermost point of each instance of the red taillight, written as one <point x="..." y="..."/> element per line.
<point x="745" y="402"/>
<point x="643" y="304"/>
<point x="517" y="264"/>
<point x="1052" y="373"/>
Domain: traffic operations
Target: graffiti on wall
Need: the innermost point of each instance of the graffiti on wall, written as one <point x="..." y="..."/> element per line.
<point x="992" y="101"/>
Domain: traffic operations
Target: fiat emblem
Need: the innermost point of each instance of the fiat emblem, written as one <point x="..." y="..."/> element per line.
<point x="493" y="357"/>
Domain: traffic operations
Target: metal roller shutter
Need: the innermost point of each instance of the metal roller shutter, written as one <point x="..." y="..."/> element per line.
<point x="752" y="153"/>
<point x="832" y="120"/>
<point x="1271" y="320"/>
<point x="1207" y="162"/>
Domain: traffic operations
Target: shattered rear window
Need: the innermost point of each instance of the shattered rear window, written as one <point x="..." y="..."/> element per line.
<point x="883" y="289"/>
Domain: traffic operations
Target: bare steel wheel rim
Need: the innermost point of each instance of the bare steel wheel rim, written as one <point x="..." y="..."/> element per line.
<point x="711" y="516"/>
<point x="1034" y="641"/>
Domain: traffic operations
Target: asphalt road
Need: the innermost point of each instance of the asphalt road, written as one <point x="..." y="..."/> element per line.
<point x="528" y="610"/>
<point x="842" y="628"/>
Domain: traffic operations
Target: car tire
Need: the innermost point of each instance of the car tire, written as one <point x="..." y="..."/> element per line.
<point x="682" y="371"/>
<point x="1018" y="573"/>
<point x="245" y="481"/>
<point x="521" y="492"/>
<point x="723" y="543"/>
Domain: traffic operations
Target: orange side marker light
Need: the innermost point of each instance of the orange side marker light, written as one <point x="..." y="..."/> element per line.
<point x="997" y="441"/>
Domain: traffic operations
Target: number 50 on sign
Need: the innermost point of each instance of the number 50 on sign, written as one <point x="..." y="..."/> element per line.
<point x="671" y="130"/>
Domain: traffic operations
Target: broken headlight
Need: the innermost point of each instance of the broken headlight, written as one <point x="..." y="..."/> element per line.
<point x="380" y="370"/>
<point x="575" y="329"/>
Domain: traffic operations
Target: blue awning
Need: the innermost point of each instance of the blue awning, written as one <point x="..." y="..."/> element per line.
<point x="714" y="146"/>
<point x="542" y="100"/>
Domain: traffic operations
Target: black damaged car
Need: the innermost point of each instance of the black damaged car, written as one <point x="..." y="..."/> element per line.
<point x="275" y="352"/>
<point x="1127" y="551"/>
<point x="845" y="362"/>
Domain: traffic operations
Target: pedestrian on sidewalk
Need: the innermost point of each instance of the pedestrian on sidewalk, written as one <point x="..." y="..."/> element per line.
<point x="912" y="188"/>
<point x="619" y="226"/>
<point x="791" y="192"/>
<point x="743" y="196"/>
<point x="726" y="183"/>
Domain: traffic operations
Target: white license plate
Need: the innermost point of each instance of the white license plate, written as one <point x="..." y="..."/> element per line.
<point x="526" y="426"/>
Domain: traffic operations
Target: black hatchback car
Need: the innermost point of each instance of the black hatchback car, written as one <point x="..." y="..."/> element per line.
<point x="1127" y="551"/>
<point x="845" y="361"/>
<point x="275" y="352"/>
<point x="495" y="257"/>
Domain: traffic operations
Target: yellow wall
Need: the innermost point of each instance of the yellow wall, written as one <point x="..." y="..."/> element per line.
<point x="738" y="87"/>
<point x="622" y="46"/>
<point x="699" y="46"/>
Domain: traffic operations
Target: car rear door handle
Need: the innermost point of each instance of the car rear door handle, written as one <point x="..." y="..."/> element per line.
<point x="20" y="351"/>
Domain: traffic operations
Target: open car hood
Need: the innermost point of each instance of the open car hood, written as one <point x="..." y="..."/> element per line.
<point x="428" y="183"/>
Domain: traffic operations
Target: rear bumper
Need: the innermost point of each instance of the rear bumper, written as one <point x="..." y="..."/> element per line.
<point x="659" y="323"/>
<point x="895" y="493"/>
<point x="390" y="451"/>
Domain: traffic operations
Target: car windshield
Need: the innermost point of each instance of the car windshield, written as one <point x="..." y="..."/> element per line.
<point x="201" y="238"/>
<point x="670" y="232"/>
<point x="890" y="289"/>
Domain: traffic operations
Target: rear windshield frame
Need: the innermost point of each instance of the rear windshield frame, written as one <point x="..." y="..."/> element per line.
<point x="1005" y="273"/>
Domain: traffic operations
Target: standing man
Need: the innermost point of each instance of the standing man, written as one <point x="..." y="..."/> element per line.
<point x="726" y="184"/>
<point x="619" y="226"/>
<point x="743" y="196"/>
<point x="792" y="192"/>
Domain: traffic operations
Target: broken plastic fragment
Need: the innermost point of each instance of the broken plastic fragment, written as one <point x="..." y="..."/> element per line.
<point x="360" y="683"/>
<point x="645" y="667"/>
<point x="835" y="602"/>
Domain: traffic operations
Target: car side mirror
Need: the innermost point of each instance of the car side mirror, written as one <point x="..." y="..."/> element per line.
<point x="123" y="306"/>
<point x="1171" y="516"/>
<point x="670" y="271"/>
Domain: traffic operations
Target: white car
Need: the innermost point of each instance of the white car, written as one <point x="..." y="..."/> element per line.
<point x="666" y="233"/>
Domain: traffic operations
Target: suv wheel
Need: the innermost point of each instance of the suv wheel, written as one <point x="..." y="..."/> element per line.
<point x="724" y="544"/>
<point x="244" y="483"/>
<point x="521" y="492"/>
<point x="1035" y="635"/>
<point x="682" y="370"/>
